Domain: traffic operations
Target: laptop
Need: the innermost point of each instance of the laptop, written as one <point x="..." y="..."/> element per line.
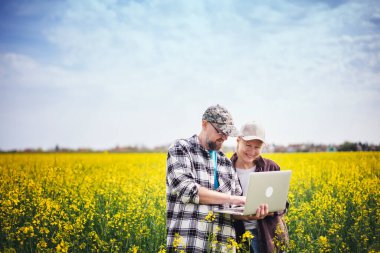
<point x="269" y="187"/>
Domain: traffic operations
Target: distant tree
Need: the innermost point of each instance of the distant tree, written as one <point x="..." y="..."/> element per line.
<point x="347" y="146"/>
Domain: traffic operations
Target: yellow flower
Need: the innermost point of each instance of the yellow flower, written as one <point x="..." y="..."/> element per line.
<point x="135" y="249"/>
<point x="232" y="243"/>
<point x="324" y="244"/>
<point x="162" y="249"/>
<point x="62" y="247"/>
<point x="247" y="236"/>
<point x="210" y="217"/>
<point x="42" y="244"/>
<point x="178" y="241"/>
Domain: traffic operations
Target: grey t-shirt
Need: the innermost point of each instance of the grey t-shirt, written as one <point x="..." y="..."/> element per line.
<point x="243" y="175"/>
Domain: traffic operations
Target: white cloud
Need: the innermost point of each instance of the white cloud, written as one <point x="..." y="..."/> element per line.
<point x="22" y="70"/>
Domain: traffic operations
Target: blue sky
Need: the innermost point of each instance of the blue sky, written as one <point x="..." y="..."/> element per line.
<point x="105" y="73"/>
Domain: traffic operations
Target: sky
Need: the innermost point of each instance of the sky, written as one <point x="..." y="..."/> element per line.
<point x="100" y="74"/>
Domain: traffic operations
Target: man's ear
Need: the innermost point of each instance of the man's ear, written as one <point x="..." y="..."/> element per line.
<point x="204" y="124"/>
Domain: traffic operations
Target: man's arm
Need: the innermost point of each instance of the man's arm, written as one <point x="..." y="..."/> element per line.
<point x="207" y="196"/>
<point x="180" y="180"/>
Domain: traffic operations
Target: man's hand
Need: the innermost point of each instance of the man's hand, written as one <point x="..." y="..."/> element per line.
<point x="207" y="196"/>
<point x="237" y="200"/>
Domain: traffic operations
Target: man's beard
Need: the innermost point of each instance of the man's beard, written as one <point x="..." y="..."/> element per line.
<point x="213" y="145"/>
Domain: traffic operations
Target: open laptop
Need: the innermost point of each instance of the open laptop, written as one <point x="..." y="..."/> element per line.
<point x="269" y="187"/>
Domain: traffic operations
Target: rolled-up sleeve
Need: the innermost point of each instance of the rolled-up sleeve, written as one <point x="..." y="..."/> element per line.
<point x="180" y="180"/>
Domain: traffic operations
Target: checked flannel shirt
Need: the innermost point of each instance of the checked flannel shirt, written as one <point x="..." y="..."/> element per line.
<point x="189" y="165"/>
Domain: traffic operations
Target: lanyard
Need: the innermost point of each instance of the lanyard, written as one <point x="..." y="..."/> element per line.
<point x="214" y="157"/>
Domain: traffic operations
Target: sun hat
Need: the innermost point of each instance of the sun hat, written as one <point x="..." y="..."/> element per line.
<point x="221" y="118"/>
<point x="252" y="131"/>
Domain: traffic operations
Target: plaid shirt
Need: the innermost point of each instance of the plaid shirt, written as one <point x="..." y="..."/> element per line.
<point x="189" y="165"/>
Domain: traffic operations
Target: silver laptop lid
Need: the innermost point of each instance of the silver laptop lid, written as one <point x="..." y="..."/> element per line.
<point x="269" y="187"/>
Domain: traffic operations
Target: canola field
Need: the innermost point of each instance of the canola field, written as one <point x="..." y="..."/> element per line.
<point x="116" y="202"/>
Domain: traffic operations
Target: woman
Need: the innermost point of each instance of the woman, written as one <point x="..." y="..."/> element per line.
<point x="246" y="160"/>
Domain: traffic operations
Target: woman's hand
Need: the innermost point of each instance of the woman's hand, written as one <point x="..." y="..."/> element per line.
<point x="261" y="213"/>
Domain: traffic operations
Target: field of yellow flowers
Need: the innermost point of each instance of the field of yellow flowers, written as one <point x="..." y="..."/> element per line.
<point x="116" y="202"/>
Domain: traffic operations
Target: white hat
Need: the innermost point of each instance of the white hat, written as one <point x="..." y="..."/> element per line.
<point x="252" y="131"/>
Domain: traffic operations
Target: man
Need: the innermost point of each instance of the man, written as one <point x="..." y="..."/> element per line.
<point x="196" y="184"/>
